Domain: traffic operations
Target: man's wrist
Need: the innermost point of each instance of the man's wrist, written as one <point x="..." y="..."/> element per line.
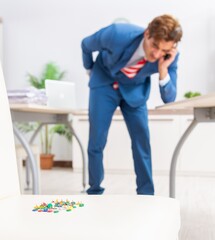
<point x="164" y="81"/>
<point x="163" y="74"/>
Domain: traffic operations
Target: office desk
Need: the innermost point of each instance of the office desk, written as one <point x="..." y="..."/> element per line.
<point x="44" y="115"/>
<point x="103" y="217"/>
<point x="203" y="111"/>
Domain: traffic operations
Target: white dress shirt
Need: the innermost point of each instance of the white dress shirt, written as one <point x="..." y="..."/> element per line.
<point x="140" y="54"/>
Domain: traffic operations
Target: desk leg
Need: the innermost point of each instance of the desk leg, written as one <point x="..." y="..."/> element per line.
<point x="83" y="156"/>
<point x="175" y="158"/>
<point x="27" y="162"/>
<point x="27" y="170"/>
<point x="31" y="159"/>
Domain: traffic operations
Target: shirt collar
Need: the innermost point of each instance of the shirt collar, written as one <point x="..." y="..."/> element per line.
<point x="141" y="48"/>
<point x="140" y="53"/>
<point x="137" y="55"/>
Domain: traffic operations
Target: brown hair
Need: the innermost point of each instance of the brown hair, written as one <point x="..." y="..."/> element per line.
<point x="166" y="28"/>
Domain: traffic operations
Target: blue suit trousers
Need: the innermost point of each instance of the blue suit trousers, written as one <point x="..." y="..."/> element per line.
<point x="102" y="105"/>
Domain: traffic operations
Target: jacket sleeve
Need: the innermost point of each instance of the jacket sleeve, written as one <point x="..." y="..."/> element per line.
<point x="96" y="42"/>
<point x="168" y="91"/>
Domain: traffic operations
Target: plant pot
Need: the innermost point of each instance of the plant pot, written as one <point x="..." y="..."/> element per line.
<point x="46" y="161"/>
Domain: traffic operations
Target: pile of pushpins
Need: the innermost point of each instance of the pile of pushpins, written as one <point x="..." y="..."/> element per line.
<point x="57" y="206"/>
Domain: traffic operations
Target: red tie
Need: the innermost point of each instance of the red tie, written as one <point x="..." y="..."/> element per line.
<point x="131" y="71"/>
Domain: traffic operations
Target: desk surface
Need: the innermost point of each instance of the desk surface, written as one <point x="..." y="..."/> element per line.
<point x="83" y="112"/>
<point x="195" y="102"/>
<point x="102" y="217"/>
<point x="34" y="108"/>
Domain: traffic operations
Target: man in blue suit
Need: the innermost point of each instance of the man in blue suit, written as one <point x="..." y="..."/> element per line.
<point x="120" y="76"/>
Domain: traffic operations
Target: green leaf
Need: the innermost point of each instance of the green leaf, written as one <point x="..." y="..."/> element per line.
<point x="191" y="94"/>
<point x="51" y="71"/>
<point x="34" y="81"/>
<point x="27" y="127"/>
<point x="62" y="130"/>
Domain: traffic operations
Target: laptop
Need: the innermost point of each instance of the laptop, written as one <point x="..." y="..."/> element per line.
<point x="60" y="94"/>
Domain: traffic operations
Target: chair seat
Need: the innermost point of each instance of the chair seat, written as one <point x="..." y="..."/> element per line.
<point x="102" y="217"/>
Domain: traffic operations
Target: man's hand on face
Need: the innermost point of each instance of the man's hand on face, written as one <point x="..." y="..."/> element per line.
<point x="163" y="63"/>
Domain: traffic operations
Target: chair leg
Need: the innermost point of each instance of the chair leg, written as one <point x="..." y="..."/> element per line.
<point x="21" y="154"/>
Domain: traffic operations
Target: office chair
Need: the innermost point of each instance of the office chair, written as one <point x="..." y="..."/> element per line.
<point x="103" y="217"/>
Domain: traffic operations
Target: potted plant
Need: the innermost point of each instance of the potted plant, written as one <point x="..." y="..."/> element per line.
<point x="192" y="94"/>
<point x="52" y="72"/>
<point x="46" y="139"/>
<point x="46" y="157"/>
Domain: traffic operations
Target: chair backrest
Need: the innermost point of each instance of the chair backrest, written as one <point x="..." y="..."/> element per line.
<point x="9" y="181"/>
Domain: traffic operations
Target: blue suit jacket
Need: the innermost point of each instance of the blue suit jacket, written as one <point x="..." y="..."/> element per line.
<point x="116" y="45"/>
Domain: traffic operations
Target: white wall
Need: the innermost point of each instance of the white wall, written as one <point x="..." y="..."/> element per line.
<point x="36" y="32"/>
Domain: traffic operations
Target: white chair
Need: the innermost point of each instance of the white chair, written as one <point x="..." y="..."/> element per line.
<point x="103" y="217"/>
<point x="9" y="184"/>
